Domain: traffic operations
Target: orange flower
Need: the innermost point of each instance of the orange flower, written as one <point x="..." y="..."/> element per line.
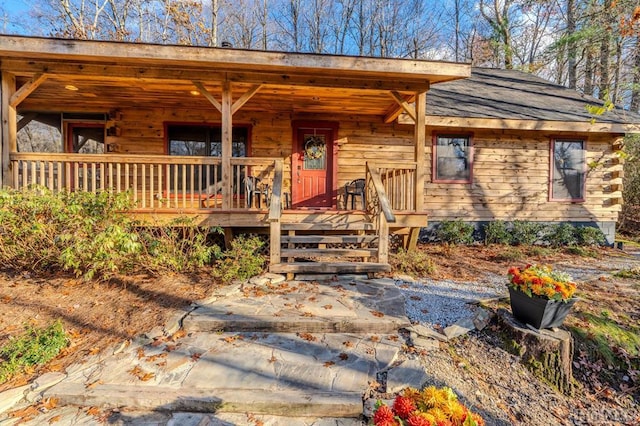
<point x="403" y="406"/>
<point x="384" y="417"/>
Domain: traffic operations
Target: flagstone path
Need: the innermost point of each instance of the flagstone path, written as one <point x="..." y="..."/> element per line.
<point x="271" y="351"/>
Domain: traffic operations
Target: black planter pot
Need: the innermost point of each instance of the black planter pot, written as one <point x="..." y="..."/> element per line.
<point x="537" y="311"/>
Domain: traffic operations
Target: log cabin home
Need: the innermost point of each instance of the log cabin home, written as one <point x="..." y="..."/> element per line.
<point x="329" y="155"/>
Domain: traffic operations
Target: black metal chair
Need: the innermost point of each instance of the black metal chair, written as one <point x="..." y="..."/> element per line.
<point x="255" y="188"/>
<point x="353" y="189"/>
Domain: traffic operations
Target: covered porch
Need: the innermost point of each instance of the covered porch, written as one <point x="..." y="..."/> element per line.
<point x="145" y="92"/>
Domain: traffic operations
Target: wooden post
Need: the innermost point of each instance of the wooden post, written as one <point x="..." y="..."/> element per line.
<point x="227" y="148"/>
<point x="420" y="139"/>
<point x="9" y="127"/>
<point x="383" y="238"/>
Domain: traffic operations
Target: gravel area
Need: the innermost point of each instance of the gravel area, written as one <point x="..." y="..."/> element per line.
<point x="443" y="302"/>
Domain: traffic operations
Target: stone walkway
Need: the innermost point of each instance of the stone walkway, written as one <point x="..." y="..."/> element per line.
<point x="270" y="351"/>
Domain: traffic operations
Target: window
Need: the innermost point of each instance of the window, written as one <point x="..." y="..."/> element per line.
<point x="203" y="141"/>
<point x="452" y="159"/>
<point x="567" y="170"/>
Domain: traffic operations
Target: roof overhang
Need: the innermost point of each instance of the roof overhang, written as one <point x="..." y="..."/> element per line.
<point x="115" y="74"/>
<point x="525" y="125"/>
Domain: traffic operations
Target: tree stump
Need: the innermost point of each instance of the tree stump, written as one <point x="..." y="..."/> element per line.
<point x="547" y="353"/>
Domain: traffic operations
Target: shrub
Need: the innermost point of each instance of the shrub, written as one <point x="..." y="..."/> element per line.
<point x="181" y="246"/>
<point x="36" y="346"/>
<point x="82" y="232"/>
<point x="525" y="232"/>
<point x="496" y="232"/>
<point x="563" y="234"/>
<point x="590" y="236"/>
<point x="414" y="262"/>
<point x="92" y="236"/>
<point x="455" y="232"/>
<point x="242" y="261"/>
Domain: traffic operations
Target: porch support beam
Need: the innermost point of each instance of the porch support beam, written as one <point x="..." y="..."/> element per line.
<point x="402" y="102"/>
<point x="9" y="126"/>
<point x="420" y="131"/>
<point x="245" y="98"/>
<point x="395" y="110"/>
<point x="26" y="89"/>
<point x="227" y="127"/>
<point x="204" y="92"/>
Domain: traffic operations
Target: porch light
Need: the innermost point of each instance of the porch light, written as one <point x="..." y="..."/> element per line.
<point x="71" y="87"/>
<point x="194" y="92"/>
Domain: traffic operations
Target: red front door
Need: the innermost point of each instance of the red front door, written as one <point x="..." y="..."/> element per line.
<point x="312" y="171"/>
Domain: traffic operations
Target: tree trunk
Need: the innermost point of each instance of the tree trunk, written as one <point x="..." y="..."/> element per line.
<point x="588" y="72"/>
<point x="635" y="88"/>
<point x="605" y="52"/>
<point x="571" y="45"/>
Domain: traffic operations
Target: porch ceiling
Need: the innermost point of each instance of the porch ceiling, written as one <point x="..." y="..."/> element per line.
<point x="112" y="75"/>
<point x="106" y="94"/>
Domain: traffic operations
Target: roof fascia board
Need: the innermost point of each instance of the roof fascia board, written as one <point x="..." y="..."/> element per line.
<point x="533" y="125"/>
<point x="151" y="54"/>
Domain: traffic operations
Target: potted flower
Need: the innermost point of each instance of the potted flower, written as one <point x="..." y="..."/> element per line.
<point x="540" y="296"/>
<point x="429" y="407"/>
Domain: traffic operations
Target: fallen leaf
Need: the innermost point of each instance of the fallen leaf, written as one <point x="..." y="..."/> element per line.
<point x="146" y="377"/>
<point x="375" y="338"/>
<point x="328" y="306"/>
<point x="308" y="315"/>
<point x="25" y="414"/>
<point x="94" y="351"/>
<point x="415" y="297"/>
<point x="195" y="356"/>
<point x="312" y="299"/>
<point x="54" y="419"/>
<point x="6" y="299"/>
<point x="343" y="356"/>
<point x="377" y="314"/>
<point x="140" y="353"/>
<point x="93" y="411"/>
<point x="49" y="403"/>
<point x="273" y="359"/>
<point x="307" y="336"/>
<point x="329" y="363"/>
<point x="94" y="384"/>
<point x="178" y="334"/>
<point x="348" y="344"/>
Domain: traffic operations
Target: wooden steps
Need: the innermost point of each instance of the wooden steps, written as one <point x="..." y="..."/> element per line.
<point x="330" y="267"/>
<point x="330" y="252"/>
<point x="333" y="242"/>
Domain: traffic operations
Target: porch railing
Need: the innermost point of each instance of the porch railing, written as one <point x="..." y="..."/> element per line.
<point x="379" y="207"/>
<point x="399" y="182"/>
<point x="155" y="181"/>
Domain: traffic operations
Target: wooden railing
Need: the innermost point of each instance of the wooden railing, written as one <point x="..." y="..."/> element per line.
<point x="155" y="181"/>
<point x="275" y="214"/>
<point x="379" y="207"/>
<point x="399" y="182"/>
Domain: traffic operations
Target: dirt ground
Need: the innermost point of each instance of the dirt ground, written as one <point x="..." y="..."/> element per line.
<point x="95" y="314"/>
<point x="98" y="315"/>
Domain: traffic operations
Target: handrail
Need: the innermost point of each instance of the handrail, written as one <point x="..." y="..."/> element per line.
<point x="383" y="200"/>
<point x="135" y="158"/>
<point x="275" y="208"/>
<point x="275" y="213"/>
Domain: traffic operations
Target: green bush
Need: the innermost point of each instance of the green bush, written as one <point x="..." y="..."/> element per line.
<point x="510" y="254"/>
<point x="92" y="236"/>
<point x="526" y="232"/>
<point x="414" y="262"/>
<point x="181" y="246"/>
<point x="242" y="261"/>
<point x="497" y="232"/>
<point x="36" y="346"/>
<point x="455" y="232"/>
<point x="562" y="234"/>
<point x="82" y="232"/>
<point x="590" y="236"/>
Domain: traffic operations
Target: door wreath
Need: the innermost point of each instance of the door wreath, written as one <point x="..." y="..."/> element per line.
<point x="314" y="148"/>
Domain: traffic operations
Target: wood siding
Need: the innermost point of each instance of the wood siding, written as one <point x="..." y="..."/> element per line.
<point x="510" y="176"/>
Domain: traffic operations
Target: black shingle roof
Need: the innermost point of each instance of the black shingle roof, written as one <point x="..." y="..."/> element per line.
<point x="510" y="94"/>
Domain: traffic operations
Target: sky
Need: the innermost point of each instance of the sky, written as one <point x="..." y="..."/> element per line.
<point x="10" y="13"/>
